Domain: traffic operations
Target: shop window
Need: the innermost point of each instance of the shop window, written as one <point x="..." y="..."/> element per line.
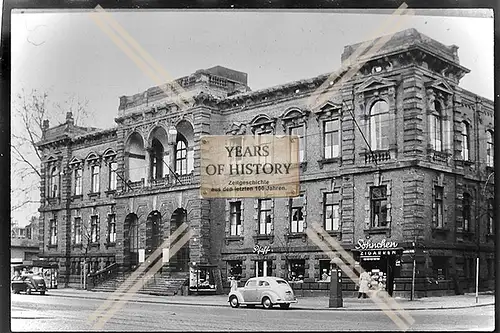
<point x="111" y="228"/>
<point x="265" y="220"/>
<point x="235" y="218"/>
<point x="465" y="141"/>
<point x="436" y="128"/>
<point x="438" y="206"/>
<point x="440" y="265"/>
<point x="325" y="270"/>
<point x="379" y="125"/>
<point x="489" y="148"/>
<point x="234" y="269"/>
<point x="95" y="178"/>
<point x="378" y="198"/>
<point x="491" y="268"/>
<point x="205" y="279"/>
<point x="331" y="138"/>
<point x="299" y="131"/>
<point x="297" y="269"/>
<point x="331" y="208"/>
<point x="78" y="181"/>
<point x="113" y="166"/>
<point x="466" y="211"/>
<point x="297" y="214"/>
<point x="94" y="229"/>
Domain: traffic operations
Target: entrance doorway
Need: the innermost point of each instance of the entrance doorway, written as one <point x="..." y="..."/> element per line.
<point x="153" y="231"/>
<point x="382" y="271"/>
<point x="131" y="238"/>
<point x="263" y="268"/>
<point x="179" y="262"/>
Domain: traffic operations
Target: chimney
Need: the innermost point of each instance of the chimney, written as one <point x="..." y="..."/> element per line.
<point x="69" y="118"/>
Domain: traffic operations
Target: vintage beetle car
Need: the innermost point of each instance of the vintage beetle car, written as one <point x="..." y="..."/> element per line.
<point x="28" y="284"/>
<point x="266" y="290"/>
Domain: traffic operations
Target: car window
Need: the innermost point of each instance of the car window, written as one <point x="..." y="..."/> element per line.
<point x="263" y="283"/>
<point x="251" y="283"/>
<point x="281" y="282"/>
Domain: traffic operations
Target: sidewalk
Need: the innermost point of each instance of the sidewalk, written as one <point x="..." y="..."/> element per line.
<point x="304" y="303"/>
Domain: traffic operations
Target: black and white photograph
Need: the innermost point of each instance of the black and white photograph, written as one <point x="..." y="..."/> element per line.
<point x="390" y="223"/>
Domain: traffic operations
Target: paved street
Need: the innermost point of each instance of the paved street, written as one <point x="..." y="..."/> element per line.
<point x="51" y="313"/>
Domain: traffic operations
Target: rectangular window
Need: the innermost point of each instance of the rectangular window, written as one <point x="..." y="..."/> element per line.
<point x="95" y="178"/>
<point x="111" y="228"/>
<point x="299" y="131"/>
<point x="93" y="228"/>
<point x="297" y="214"/>
<point x="331" y="138"/>
<point x="331" y="206"/>
<point x="438" y="201"/>
<point x="265" y="216"/>
<point x="297" y="270"/>
<point x="77" y="238"/>
<point x="378" y="198"/>
<point x="235" y="218"/>
<point x="53" y="231"/>
<point x="440" y="265"/>
<point x="113" y="166"/>
<point x="78" y="181"/>
<point x="436" y="133"/>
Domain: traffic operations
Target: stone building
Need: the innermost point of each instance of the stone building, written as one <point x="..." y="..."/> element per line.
<point x="396" y="165"/>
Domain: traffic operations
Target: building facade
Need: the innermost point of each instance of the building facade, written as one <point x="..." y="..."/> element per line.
<point x="396" y="165"/>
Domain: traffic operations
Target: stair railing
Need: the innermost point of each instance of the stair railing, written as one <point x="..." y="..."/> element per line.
<point x="101" y="276"/>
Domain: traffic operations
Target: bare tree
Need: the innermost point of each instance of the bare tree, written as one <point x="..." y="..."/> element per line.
<point x="30" y="109"/>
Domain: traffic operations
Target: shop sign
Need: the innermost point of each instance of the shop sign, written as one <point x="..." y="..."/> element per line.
<point x="378" y="252"/>
<point x="369" y="245"/>
<point x="261" y="249"/>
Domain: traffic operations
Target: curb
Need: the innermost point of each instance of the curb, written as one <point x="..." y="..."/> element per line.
<point x="291" y="308"/>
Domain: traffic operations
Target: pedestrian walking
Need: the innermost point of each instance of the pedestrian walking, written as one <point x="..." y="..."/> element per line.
<point x="234" y="283"/>
<point x="364" y="287"/>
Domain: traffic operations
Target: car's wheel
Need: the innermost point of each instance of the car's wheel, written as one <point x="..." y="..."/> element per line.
<point x="266" y="303"/>
<point x="233" y="301"/>
<point x="42" y="292"/>
<point x="285" y="306"/>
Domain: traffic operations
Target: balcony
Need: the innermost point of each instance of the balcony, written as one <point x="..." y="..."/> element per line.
<point x="377" y="156"/>
<point x="158" y="183"/>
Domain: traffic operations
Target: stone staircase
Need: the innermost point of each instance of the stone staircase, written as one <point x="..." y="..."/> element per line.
<point x="152" y="285"/>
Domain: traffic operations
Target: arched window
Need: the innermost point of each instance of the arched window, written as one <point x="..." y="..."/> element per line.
<point x="181" y="155"/>
<point x="466" y="210"/>
<point x="489" y="148"/>
<point x="436" y="128"/>
<point x="54" y="182"/>
<point x="379" y="125"/>
<point x="157" y="153"/>
<point x="465" y="141"/>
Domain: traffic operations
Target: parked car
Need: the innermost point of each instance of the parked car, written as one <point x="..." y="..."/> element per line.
<point x="28" y="284"/>
<point x="266" y="291"/>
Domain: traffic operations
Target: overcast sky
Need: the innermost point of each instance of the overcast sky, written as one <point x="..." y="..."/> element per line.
<point x="66" y="52"/>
